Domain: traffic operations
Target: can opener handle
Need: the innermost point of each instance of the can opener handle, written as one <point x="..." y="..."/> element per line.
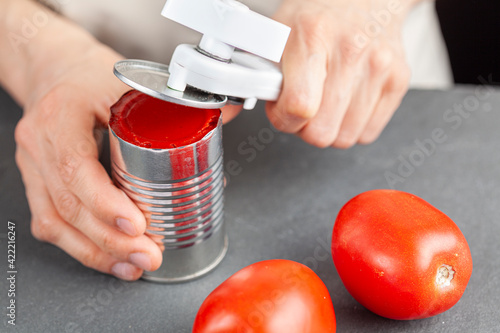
<point x="235" y="55"/>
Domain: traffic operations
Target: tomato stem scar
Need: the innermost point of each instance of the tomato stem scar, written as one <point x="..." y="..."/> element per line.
<point x="444" y="275"/>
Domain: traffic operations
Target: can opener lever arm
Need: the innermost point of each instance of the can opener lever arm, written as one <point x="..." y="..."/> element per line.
<point x="235" y="55"/>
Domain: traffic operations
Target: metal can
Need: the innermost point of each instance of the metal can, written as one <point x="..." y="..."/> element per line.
<point x="181" y="192"/>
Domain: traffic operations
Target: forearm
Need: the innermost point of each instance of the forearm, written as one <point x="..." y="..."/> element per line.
<point x="35" y="44"/>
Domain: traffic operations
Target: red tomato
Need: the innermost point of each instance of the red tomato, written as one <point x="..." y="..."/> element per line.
<point x="273" y="296"/>
<point x="399" y="256"/>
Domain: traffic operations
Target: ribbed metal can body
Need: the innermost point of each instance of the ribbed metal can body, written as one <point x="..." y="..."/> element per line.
<point x="181" y="193"/>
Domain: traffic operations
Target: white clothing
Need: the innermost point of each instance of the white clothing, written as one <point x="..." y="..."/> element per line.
<point x="426" y="51"/>
<point x="136" y="29"/>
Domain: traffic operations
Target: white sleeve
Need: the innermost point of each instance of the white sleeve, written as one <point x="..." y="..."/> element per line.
<point x="425" y="49"/>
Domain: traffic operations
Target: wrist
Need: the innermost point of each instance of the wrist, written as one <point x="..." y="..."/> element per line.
<point x="85" y="65"/>
<point x="54" y="52"/>
<point x="38" y="48"/>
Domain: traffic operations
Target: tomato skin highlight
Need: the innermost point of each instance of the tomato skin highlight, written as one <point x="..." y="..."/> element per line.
<point x="399" y="256"/>
<point x="272" y="296"/>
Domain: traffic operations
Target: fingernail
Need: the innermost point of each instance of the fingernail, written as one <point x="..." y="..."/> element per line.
<point x="141" y="260"/>
<point x="126" y="226"/>
<point x="123" y="270"/>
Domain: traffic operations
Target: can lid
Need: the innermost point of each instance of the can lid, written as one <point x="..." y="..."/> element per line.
<point x="151" y="78"/>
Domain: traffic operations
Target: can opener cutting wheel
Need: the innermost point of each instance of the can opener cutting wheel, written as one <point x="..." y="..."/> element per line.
<point x="232" y="62"/>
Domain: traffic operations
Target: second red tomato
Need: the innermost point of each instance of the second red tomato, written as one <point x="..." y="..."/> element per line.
<point x="273" y="296"/>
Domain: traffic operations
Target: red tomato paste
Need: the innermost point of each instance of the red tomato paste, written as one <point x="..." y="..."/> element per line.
<point x="149" y="122"/>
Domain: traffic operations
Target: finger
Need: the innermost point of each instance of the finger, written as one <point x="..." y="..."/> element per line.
<point x="323" y="129"/>
<point x="141" y="251"/>
<point x="47" y="225"/>
<point x="304" y="66"/>
<point x="26" y="138"/>
<point x="75" y="163"/>
<point x="391" y="98"/>
<point x="229" y="112"/>
<point x="365" y="99"/>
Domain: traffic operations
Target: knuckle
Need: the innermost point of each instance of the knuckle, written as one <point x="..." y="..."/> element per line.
<point x="50" y="103"/>
<point x="318" y="140"/>
<point x="36" y="231"/>
<point x="300" y="105"/>
<point x="369" y="137"/>
<point x="23" y="133"/>
<point x="47" y="107"/>
<point x="88" y="257"/>
<point x="98" y="204"/>
<point x="352" y="49"/>
<point x="345" y="140"/>
<point x="70" y="159"/>
<point x="95" y="201"/>
<point x="319" y="134"/>
<point x="380" y="61"/>
<point x="67" y="166"/>
<point x="313" y="23"/>
<point x="108" y="243"/>
<point x="314" y="31"/>
<point x="67" y="205"/>
<point x="343" y="144"/>
<point x="42" y="229"/>
<point x="88" y="147"/>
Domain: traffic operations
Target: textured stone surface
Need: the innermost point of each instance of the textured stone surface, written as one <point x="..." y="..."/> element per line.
<point x="281" y="202"/>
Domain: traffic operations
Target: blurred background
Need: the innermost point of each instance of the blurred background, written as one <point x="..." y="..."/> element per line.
<point x="471" y="29"/>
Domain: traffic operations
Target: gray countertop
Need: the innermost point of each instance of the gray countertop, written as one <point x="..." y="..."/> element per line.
<point x="281" y="202"/>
